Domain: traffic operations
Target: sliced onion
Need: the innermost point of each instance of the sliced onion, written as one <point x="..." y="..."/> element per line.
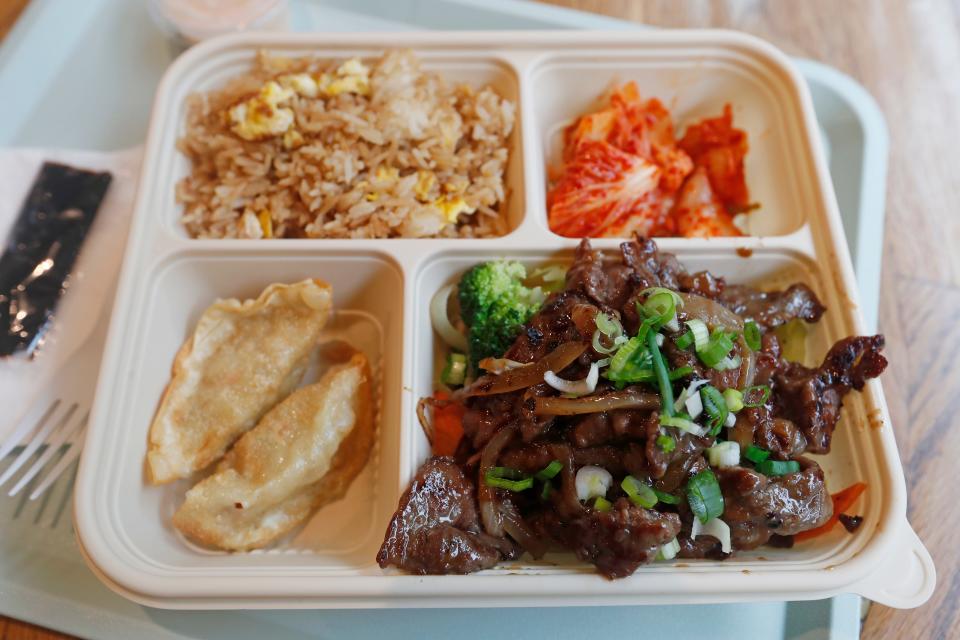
<point x="748" y="365"/>
<point x="731" y="420"/>
<point x="523" y="377"/>
<point x="490" y="513"/>
<point x="711" y="312"/>
<point x="568" y="506"/>
<point x="592" y="482"/>
<point x="574" y="388"/>
<point x="625" y="399"/>
<point x="716" y="528"/>
<point x="440" y="319"/>
<point x="514" y="525"/>
<point x="673" y="324"/>
<point x="497" y="366"/>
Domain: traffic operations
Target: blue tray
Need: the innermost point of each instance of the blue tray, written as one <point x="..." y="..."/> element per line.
<point x="82" y="75"/>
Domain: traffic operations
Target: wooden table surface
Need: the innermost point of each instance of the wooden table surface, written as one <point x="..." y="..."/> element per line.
<point x="907" y="54"/>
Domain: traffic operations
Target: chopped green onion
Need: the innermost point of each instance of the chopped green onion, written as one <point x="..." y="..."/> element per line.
<point x="685" y="340"/>
<point x="506" y="472"/>
<point x="666" y="443"/>
<point x="639" y="493"/>
<point x="689" y="391"/>
<point x="724" y="454"/>
<point x="751" y="335"/>
<point x="682" y="423"/>
<point x="455" y="370"/>
<point x="624" y="354"/>
<point x="733" y="398"/>
<point x="756" y="396"/>
<point x="680" y="372"/>
<point x="715" y="407"/>
<point x="661" y="307"/>
<point x="728" y="363"/>
<point x="666" y="498"/>
<point x="652" y="291"/>
<point x="509" y="485"/>
<point x="778" y="467"/>
<point x="547" y="490"/>
<point x="602" y="504"/>
<point x="704" y="496"/>
<point x="631" y="375"/>
<point x="608" y="325"/>
<point x="549" y="471"/>
<point x="719" y="346"/>
<point x="663" y="378"/>
<point x="598" y="345"/>
<point x="669" y="550"/>
<point x="755" y="454"/>
<point x="701" y="335"/>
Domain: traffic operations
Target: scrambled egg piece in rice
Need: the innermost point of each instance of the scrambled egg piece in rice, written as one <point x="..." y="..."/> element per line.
<point x="351" y="77"/>
<point x="262" y="116"/>
<point x="452" y="207"/>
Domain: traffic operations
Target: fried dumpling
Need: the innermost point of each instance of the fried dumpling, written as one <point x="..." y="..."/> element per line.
<point x="302" y="455"/>
<point x="242" y="358"/>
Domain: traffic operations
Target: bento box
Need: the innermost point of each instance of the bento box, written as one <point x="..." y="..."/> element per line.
<point x="382" y="290"/>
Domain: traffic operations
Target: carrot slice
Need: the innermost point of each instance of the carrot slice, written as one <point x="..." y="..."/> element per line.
<point x="447" y="424"/>
<point x="842" y="500"/>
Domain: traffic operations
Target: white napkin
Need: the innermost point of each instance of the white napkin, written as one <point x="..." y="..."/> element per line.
<point x="92" y="284"/>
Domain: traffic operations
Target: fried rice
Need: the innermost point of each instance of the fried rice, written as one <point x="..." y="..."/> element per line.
<point x="308" y="147"/>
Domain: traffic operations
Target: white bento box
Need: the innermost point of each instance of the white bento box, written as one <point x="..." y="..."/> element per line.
<point x="382" y="289"/>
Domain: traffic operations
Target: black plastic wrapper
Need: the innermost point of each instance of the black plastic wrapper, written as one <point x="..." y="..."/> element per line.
<point x="41" y="250"/>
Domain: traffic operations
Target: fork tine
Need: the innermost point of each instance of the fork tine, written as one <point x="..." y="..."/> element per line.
<point x="27" y="425"/>
<point x="38" y="439"/>
<point x="63" y="507"/>
<point x="52" y="447"/>
<point x="64" y="462"/>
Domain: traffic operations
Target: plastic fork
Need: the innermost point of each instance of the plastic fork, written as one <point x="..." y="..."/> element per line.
<point x="56" y="421"/>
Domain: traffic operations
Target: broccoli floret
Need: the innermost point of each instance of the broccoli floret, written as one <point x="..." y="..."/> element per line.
<point x="495" y="304"/>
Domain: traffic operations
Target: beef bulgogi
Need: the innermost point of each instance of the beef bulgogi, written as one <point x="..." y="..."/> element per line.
<point x="642" y="412"/>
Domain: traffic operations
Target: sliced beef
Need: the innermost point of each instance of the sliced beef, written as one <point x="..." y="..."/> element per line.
<point x="435" y="529"/>
<point x="771" y="309"/>
<point x="779" y="436"/>
<point x="652" y="268"/>
<point x="686" y="460"/>
<point x="550" y="327"/>
<point x="756" y="507"/>
<point x="617" y="541"/>
<point x="485" y="415"/>
<point x="620" y="426"/>
<point x="757" y="425"/>
<point x="702" y="283"/>
<point x="726" y="379"/>
<point x="768" y="359"/>
<point x="606" y="283"/>
<point x="812" y="398"/>
<point x="528" y="458"/>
